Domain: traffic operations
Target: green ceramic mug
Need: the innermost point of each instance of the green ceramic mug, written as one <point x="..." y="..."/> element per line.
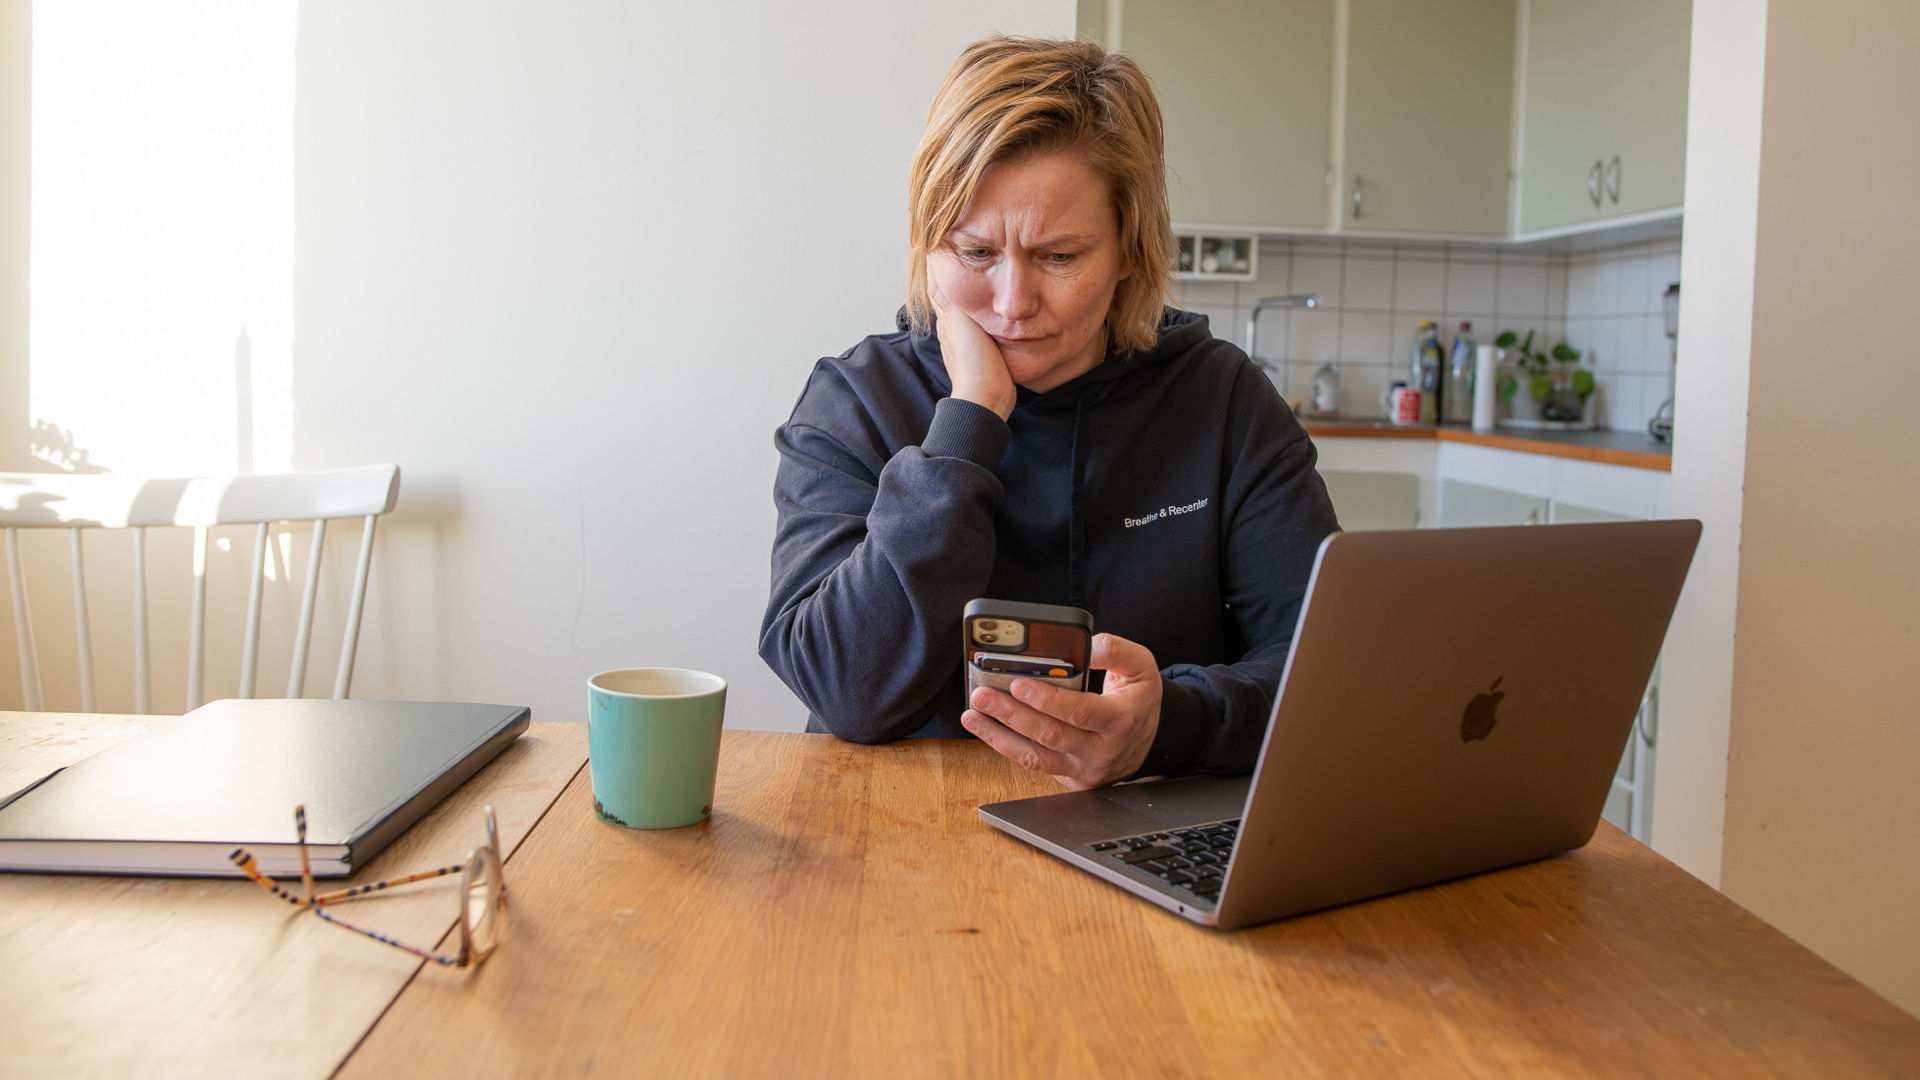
<point x="653" y="745"/>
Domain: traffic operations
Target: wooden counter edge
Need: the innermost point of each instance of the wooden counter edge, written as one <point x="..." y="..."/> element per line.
<point x="1636" y="459"/>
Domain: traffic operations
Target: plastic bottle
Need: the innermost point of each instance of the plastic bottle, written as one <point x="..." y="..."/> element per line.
<point x="1458" y="395"/>
<point x="1428" y="361"/>
<point x="1326" y="389"/>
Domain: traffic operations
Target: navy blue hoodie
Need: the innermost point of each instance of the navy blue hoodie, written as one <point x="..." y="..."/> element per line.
<point x="1171" y="493"/>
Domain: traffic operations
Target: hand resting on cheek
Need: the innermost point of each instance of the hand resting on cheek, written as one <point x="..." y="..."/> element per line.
<point x="974" y="363"/>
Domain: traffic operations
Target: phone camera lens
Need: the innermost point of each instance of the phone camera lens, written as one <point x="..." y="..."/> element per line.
<point x="987" y="638"/>
<point x="987" y="624"/>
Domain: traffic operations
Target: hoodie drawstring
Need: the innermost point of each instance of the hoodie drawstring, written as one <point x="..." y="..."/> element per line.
<point x="1076" y="524"/>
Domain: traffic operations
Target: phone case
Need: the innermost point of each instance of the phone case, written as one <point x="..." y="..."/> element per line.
<point x="1002" y="640"/>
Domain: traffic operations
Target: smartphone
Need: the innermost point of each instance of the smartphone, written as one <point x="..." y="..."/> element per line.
<point x="1002" y="640"/>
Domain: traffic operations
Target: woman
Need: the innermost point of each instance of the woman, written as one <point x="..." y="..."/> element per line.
<point x="1043" y="428"/>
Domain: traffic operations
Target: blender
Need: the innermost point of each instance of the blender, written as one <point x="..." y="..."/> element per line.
<point x="1661" y="426"/>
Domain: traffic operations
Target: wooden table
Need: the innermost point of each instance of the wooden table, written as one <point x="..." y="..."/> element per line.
<point x="846" y="913"/>
<point x="180" y="977"/>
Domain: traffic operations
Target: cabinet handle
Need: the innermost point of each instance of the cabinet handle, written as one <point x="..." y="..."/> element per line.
<point x="1613" y="179"/>
<point x="1359" y="197"/>
<point x="1593" y="183"/>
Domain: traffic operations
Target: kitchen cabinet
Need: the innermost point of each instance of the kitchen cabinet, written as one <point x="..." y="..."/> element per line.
<point x="1566" y="513"/>
<point x="1378" y="483"/>
<point x="1466" y="505"/>
<point x="1550" y="489"/>
<point x="1245" y="89"/>
<point x="1604" y="102"/>
<point x="1365" y="501"/>
<point x="1427" y="133"/>
<point x="1421" y="136"/>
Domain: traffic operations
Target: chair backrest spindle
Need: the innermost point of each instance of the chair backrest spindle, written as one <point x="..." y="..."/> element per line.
<point x="355" y="610"/>
<point x="256" y="584"/>
<point x="303" y="631"/>
<point x="23" y="624"/>
<point x="82" y="628"/>
<point x="142" y="662"/>
<point x="197" y="624"/>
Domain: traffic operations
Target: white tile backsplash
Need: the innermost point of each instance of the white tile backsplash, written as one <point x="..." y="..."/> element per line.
<point x="1318" y="274"/>
<point x="1598" y="345"/>
<point x="1521" y="288"/>
<point x="1367" y="285"/>
<point x="1209" y="294"/>
<point x="1617" y="296"/>
<point x="1419" y="285"/>
<point x="1583" y="289"/>
<point x="1361" y="387"/>
<point x="1373" y="294"/>
<point x="1635" y="297"/>
<point x="1663" y="269"/>
<point x="1470" y="285"/>
<point x="1274" y="273"/>
<point x="1366" y="337"/>
<point x="1314" y="335"/>
<point x="1656" y="347"/>
<point x="1221" y="321"/>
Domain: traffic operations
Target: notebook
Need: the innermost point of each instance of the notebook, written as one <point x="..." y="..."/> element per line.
<point x="1456" y="701"/>
<point x="180" y="797"/>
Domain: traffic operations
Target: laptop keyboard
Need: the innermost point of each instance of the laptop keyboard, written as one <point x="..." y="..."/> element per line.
<point x="1192" y="860"/>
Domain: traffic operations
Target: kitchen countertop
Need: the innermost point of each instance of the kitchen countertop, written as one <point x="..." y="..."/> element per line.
<point x="1630" y="448"/>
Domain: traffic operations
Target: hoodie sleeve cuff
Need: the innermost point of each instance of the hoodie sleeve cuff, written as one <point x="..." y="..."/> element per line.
<point x="1183" y="724"/>
<point x="962" y="429"/>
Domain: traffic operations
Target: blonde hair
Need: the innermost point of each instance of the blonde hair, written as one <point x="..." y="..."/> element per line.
<point x="1011" y="97"/>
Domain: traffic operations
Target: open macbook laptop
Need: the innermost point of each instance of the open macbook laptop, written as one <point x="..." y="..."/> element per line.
<point x="1457" y="700"/>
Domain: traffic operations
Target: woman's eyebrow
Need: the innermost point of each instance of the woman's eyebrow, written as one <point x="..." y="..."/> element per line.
<point x="965" y="238"/>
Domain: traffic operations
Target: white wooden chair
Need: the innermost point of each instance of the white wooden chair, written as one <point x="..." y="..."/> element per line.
<point x="84" y="503"/>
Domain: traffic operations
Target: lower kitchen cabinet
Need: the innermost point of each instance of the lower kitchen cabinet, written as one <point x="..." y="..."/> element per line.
<point x="1566" y="513"/>
<point x="1465" y="505"/>
<point x="1366" y="501"/>
<point x="1630" y="802"/>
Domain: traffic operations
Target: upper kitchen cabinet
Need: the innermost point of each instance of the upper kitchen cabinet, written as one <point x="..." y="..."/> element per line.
<point x="1245" y="88"/>
<point x="1604" y="101"/>
<point x="1429" y="103"/>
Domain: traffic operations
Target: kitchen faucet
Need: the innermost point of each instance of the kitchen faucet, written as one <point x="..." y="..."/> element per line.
<point x="1302" y="300"/>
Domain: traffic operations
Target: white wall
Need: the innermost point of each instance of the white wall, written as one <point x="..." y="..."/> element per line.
<point x="1728" y="68"/>
<point x="16" y="118"/>
<point x="569" y="264"/>
<point x="1787" y="774"/>
<point x="1823" y="770"/>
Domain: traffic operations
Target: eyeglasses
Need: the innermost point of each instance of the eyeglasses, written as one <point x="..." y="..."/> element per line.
<point x="483" y="894"/>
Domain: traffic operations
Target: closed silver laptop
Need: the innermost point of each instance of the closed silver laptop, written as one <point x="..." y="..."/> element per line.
<point x="1456" y="701"/>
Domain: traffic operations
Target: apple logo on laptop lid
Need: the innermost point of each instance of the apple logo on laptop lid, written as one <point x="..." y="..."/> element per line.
<point x="1478" y="719"/>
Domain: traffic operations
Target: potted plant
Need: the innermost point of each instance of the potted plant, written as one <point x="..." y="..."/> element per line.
<point x="1557" y="388"/>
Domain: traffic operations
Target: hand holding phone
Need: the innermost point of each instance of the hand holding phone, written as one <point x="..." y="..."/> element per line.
<point x="1002" y="640"/>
